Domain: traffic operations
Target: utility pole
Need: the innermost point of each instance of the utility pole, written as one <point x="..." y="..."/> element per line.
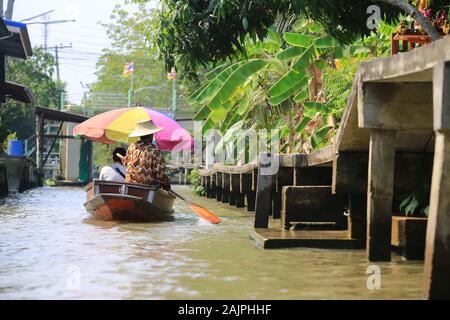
<point x="1" y="8"/>
<point x="57" y="58"/>
<point x="61" y="104"/>
<point x="9" y="10"/>
<point x="46" y="23"/>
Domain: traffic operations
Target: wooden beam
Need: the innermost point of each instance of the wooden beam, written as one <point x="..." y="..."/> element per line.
<point x="313" y="176"/>
<point x="380" y="194"/>
<point x="350" y="172"/>
<point x="395" y="106"/>
<point x="312" y="204"/>
<point x="56" y="136"/>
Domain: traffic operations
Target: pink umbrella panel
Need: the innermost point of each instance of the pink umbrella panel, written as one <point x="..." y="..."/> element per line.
<point x="115" y="125"/>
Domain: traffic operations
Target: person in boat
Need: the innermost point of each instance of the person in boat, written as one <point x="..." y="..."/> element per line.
<point x="115" y="171"/>
<point x="144" y="161"/>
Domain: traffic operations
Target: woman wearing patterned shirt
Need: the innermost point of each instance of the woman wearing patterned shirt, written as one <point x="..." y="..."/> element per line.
<point x="144" y="161"/>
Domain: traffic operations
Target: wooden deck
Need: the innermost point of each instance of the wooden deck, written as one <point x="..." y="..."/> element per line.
<point x="276" y="238"/>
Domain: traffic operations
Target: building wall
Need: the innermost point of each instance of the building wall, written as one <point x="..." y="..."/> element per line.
<point x="70" y="154"/>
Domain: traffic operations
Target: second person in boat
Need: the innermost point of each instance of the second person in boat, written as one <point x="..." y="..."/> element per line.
<point x="144" y="161"/>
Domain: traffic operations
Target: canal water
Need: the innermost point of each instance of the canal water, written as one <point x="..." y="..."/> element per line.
<point x="51" y="249"/>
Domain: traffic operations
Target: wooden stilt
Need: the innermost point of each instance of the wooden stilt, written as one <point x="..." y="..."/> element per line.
<point x="380" y="194"/>
<point x="437" y="251"/>
<point x="218" y="186"/>
<point x="263" y="205"/>
<point x="212" y="179"/>
<point x="251" y="197"/>
<point x="225" y="187"/>
<point x="358" y="226"/>
<point x="236" y="187"/>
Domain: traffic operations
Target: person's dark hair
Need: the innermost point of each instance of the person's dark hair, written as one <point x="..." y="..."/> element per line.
<point x="120" y="151"/>
<point x="148" y="138"/>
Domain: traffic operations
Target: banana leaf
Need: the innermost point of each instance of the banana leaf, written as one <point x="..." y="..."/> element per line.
<point x="319" y="136"/>
<point x="305" y="59"/>
<point x="214" y="86"/>
<point x="236" y="80"/>
<point x="290" y="53"/>
<point x="298" y="39"/>
<point x="287" y="92"/>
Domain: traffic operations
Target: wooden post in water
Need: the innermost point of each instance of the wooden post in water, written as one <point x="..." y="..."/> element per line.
<point x="208" y="186"/>
<point x="225" y="187"/>
<point x="212" y="184"/>
<point x="218" y="186"/>
<point x="380" y="194"/>
<point x="246" y="190"/>
<point x="357" y="221"/>
<point x="232" y="196"/>
<point x="263" y="207"/>
<point x="437" y="252"/>
<point x="236" y="189"/>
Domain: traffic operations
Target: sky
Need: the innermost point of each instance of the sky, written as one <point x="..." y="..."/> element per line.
<point x="85" y="35"/>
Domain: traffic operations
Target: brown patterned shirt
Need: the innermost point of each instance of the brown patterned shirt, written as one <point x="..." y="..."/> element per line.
<point x="145" y="164"/>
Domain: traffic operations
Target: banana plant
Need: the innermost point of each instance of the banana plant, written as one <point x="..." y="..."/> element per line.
<point x="270" y="88"/>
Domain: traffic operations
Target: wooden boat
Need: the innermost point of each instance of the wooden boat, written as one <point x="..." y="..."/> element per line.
<point x="109" y="200"/>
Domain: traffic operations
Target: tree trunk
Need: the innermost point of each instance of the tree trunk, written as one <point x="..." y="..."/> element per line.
<point x="416" y="15"/>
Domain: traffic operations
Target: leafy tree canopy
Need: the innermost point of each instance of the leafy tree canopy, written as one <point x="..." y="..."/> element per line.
<point x="37" y="74"/>
<point x="190" y="33"/>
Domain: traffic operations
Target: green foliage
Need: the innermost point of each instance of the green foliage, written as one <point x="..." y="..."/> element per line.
<point x="417" y="202"/>
<point x="190" y="34"/>
<point x="196" y="182"/>
<point x="131" y="41"/>
<point x="37" y="74"/>
<point x="270" y="89"/>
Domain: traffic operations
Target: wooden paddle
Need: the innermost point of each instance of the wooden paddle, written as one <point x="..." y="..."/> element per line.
<point x="202" y="212"/>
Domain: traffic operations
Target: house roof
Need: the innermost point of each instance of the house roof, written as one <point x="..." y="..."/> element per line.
<point x="52" y="114"/>
<point x="18" y="92"/>
<point x="14" y="39"/>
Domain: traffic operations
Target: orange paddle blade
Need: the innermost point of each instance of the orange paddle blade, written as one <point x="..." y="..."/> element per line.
<point x="204" y="213"/>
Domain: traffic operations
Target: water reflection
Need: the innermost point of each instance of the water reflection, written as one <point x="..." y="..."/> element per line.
<point x="50" y="248"/>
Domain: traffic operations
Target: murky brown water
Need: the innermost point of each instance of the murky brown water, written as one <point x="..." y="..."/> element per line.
<point x="50" y="248"/>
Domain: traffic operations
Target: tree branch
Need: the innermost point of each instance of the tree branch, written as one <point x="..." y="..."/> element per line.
<point x="416" y="15"/>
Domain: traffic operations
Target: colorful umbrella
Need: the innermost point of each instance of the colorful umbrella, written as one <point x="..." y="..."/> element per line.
<point x="116" y="125"/>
